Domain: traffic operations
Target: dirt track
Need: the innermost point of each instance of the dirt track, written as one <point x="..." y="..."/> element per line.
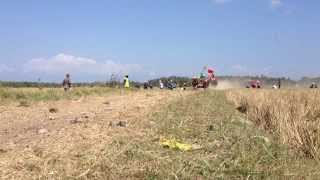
<point x="35" y="131"/>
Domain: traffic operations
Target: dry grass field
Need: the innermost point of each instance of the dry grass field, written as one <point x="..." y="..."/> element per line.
<point x="102" y="133"/>
<point x="28" y="95"/>
<point x="293" y="116"/>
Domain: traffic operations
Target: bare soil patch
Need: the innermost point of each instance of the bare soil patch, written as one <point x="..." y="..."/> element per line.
<point x="58" y="128"/>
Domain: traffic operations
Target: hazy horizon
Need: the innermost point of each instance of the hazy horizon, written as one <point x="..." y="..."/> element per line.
<point x="120" y="79"/>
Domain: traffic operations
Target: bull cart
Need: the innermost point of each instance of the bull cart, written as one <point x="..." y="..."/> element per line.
<point x="205" y="81"/>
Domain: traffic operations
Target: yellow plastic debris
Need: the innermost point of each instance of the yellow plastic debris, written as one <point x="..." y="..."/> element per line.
<point x="174" y="144"/>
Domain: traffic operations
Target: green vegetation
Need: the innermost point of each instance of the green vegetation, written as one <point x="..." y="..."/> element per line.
<point x="231" y="147"/>
<point x="51" y="94"/>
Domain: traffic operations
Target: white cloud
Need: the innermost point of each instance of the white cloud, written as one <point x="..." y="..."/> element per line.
<point x="276" y="3"/>
<point x="221" y="1"/>
<point x="4" y="68"/>
<point x="63" y="63"/>
<point x="273" y="3"/>
<point x="239" y="68"/>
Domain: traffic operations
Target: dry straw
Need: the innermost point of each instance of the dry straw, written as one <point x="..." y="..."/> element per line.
<point x="292" y="115"/>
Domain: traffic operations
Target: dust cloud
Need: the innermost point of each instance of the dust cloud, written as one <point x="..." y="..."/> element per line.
<point x="225" y="84"/>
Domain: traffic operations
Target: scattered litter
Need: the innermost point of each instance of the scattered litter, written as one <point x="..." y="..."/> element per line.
<point x="2" y="150"/>
<point x="52" y="173"/>
<point x="85" y="115"/>
<point x="75" y="121"/>
<point x="265" y="139"/>
<point x="138" y="108"/>
<point x="242" y="109"/>
<point x="11" y="145"/>
<point x="43" y="131"/>
<point x="80" y="100"/>
<point x="111" y="124"/>
<point x="174" y="144"/>
<point x="107" y="103"/>
<point x="244" y="121"/>
<point x="53" y="110"/>
<point x="23" y="104"/>
<point x="119" y="124"/>
<point x="38" y="151"/>
<point x="211" y="128"/>
<point x="122" y="124"/>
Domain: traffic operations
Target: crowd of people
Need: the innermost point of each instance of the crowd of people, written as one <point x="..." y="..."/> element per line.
<point x="170" y="84"/>
<point x="314" y="86"/>
<point x="67" y="85"/>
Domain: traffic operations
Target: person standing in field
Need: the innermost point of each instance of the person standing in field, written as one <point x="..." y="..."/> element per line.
<point x="66" y="83"/>
<point x="145" y="85"/>
<point x="126" y="82"/>
<point x="314" y="86"/>
<point x="161" y="84"/>
<point x="274" y="87"/>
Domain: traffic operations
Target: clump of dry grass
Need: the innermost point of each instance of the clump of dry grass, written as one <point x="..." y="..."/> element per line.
<point x="292" y="115"/>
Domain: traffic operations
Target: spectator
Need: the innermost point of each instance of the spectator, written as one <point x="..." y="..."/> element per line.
<point x="66" y="83"/>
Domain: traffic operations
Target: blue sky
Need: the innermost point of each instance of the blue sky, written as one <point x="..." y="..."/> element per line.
<point x="148" y="38"/>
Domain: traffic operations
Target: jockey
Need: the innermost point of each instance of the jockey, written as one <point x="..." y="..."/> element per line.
<point x="211" y="75"/>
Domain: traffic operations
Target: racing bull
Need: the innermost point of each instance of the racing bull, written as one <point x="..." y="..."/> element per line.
<point x="255" y="84"/>
<point x="205" y="81"/>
